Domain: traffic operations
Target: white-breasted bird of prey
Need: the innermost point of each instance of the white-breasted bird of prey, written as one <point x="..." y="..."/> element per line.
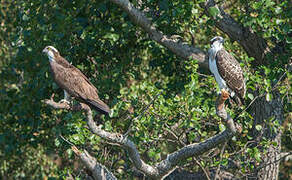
<point x="227" y="71"/>
<point x="73" y="81"/>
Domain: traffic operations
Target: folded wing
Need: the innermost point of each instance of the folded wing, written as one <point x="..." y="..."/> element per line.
<point x="230" y="70"/>
<point x="77" y="85"/>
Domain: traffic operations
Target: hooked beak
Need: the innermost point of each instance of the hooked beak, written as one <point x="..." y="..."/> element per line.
<point x="45" y="50"/>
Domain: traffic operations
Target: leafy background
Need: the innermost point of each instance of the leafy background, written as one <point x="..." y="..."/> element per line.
<point x="130" y="71"/>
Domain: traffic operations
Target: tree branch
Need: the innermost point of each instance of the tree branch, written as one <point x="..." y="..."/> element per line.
<point x="191" y="150"/>
<point x="162" y="168"/>
<point x="254" y="45"/>
<point x="180" y="49"/>
<point x="115" y="138"/>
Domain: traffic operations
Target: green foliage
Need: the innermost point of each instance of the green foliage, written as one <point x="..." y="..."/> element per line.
<point x="129" y="71"/>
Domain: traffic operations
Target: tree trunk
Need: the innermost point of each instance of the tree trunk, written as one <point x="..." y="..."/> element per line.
<point x="268" y="114"/>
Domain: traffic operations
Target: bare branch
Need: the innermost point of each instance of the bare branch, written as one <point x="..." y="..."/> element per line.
<point x="115" y="138"/>
<point x="125" y="142"/>
<point x="180" y="49"/>
<point x="162" y="168"/>
<point x="221" y="112"/>
<point x="221" y="156"/>
<point x="192" y="150"/>
<point x="254" y="45"/>
<point x="206" y="172"/>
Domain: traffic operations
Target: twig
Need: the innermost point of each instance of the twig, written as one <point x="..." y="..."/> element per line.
<point x="66" y="140"/>
<point x="259" y="96"/>
<point x="168" y="129"/>
<point x="264" y="165"/>
<point x="154" y="171"/>
<point x="141" y="114"/>
<point x="221" y="155"/>
<point x="244" y="148"/>
<point x="204" y="170"/>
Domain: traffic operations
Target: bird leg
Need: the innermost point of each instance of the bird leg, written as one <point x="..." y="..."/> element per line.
<point x="66" y="98"/>
<point x="223" y="97"/>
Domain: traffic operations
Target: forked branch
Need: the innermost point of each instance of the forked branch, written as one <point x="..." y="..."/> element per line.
<point x="158" y="170"/>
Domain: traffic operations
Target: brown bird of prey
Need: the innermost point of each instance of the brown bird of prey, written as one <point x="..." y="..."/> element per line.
<point x="73" y="82"/>
<point x="227" y="71"/>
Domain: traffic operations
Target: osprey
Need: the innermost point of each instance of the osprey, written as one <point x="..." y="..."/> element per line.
<point x="73" y="81"/>
<point x="227" y="71"/>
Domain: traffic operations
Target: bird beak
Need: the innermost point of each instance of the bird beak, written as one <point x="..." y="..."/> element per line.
<point x="45" y="50"/>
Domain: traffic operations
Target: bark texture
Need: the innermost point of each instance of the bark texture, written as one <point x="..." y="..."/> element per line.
<point x="267" y="114"/>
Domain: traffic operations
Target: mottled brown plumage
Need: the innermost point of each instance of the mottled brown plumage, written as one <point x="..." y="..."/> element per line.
<point x="230" y="70"/>
<point x="74" y="82"/>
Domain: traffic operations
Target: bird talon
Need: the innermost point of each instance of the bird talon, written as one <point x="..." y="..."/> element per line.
<point x="224" y="95"/>
<point x="222" y="98"/>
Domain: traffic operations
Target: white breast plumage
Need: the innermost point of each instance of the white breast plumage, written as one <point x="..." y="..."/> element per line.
<point x="214" y="70"/>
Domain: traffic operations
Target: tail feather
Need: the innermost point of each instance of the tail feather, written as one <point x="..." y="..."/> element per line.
<point x="99" y="106"/>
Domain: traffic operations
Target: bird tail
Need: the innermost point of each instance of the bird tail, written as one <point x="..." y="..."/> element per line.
<point x="99" y="106"/>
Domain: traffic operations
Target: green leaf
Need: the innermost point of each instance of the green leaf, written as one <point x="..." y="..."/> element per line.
<point x="274" y="143"/>
<point x="222" y="127"/>
<point x="57" y="142"/>
<point x="278" y="10"/>
<point x="214" y="11"/>
<point x="70" y="152"/>
<point x="269" y="97"/>
<point x="250" y="96"/>
<point x="256" y="5"/>
<point x="258" y="127"/>
<point x="257" y="154"/>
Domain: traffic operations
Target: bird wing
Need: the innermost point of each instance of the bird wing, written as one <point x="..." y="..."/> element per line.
<point x="230" y="70"/>
<point x="77" y="85"/>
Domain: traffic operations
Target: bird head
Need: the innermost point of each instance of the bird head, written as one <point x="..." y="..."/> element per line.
<point x="217" y="39"/>
<point x="217" y="42"/>
<point x="51" y="52"/>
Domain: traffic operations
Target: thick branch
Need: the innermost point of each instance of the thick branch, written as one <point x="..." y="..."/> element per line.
<point x="254" y="45"/>
<point x="180" y="49"/>
<point x="125" y="142"/>
<point x="194" y="150"/>
<point x="116" y="138"/>
<point x="162" y="168"/>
